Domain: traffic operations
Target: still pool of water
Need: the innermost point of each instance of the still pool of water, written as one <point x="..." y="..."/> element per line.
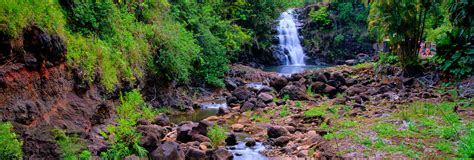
<point x="291" y="69"/>
<point x="196" y="116"/>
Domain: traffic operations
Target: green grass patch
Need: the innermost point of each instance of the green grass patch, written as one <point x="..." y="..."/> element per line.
<point x="315" y="112"/>
<point x="444" y="146"/>
<point x="362" y="65"/>
<point x="284" y="111"/>
<point x="388" y="130"/>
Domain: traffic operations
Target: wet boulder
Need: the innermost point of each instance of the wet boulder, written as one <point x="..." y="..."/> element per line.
<point x="242" y="93"/>
<point x="168" y="150"/>
<point x="277" y="131"/>
<point x="247" y="106"/>
<point x="355" y="89"/>
<point x="184" y="132"/>
<point x="195" y="154"/>
<point x="281" y="141"/>
<point x="265" y="97"/>
<point x="202" y="126"/>
<point x="320" y="77"/>
<point x="162" y="120"/>
<point x="230" y="84"/>
<point x="278" y="83"/>
<point x="222" y="154"/>
<point x="295" y="92"/>
<point x="250" y="143"/>
<point x="152" y="134"/>
<point x="231" y="140"/>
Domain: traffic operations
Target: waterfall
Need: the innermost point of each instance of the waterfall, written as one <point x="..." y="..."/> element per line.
<point x="289" y="41"/>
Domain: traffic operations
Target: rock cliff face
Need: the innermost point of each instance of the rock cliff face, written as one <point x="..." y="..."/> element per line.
<point x="342" y="39"/>
<point x="38" y="93"/>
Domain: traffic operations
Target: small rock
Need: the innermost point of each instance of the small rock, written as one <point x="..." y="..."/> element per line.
<point x="152" y="134"/>
<point x="250" y="143"/>
<point x="290" y="129"/>
<point x="278" y="83"/>
<point x="222" y="154"/>
<point x="200" y="138"/>
<point x="162" y="120"/>
<point x="222" y="111"/>
<point x="277" y="131"/>
<point x="281" y="141"/>
<point x="321" y="77"/>
<point x="237" y="127"/>
<point x="132" y="157"/>
<point x="242" y="93"/>
<point x="168" y="150"/>
<point x="143" y="122"/>
<point x="265" y="97"/>
<point x="294" y="92"/>
<point x="184" y="132"/>
<point x="193" y="153"/>
<point x="231" y="140"/>
<point x="247" y="106"/>
<point x="230" y="84"/>
<point x="318" y="87"/>
<point x="303" y="153"/>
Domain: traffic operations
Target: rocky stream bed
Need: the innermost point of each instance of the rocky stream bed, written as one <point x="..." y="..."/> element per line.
<point x="267" y="116"/>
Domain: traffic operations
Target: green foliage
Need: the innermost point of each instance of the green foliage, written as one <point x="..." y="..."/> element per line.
<point x="94" y="17"/>
<point x="17" y="15"/>
<point x="321" y="16"/>
<point x="444" y="146"/>
<point x="466" y="144"/>
<point x="10" y="143"/>
<point x="362" y="65"/>
<point x="70" y="145"/>
<point x="387" y="130"/>
<point x="214" y="61"/>
<point x="404" y="24"/>
<point x="455" y="53"/>
<point x="284" y="111"/>
<point x="339" y="39"/>
<point x="286" y="98"/>
<point x="315" y="112"/>
<point x="298" y="104"/>
<point x="85" y="155"/>
<point x="124" y="138"/>
<point x="217" y="135"/>
<point x="387" y="58"/>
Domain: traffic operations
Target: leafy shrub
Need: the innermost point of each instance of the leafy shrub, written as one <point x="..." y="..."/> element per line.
<point x="320" y="16"/>
<point x="217" y="135"/>
<point x="177" y="52"/>
<point x="85" y="155"/>
<point x="17" y="15"/>
<point x="214" y="62"/>
<point x="314" y="112"/>
<point x="70" y="145"/>
<point x="284" y="111"/>
<point x="126" y="139"/>
<point x="339" y="39"/>
<point x="455" y="54"/>
<point x="91" y="17"/>
<point x="387" y="58"/>
<point x="10" y="143"/>
<point x="286" y="98"/>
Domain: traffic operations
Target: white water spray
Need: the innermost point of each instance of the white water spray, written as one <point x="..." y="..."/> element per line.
<point x="289" y="39"/>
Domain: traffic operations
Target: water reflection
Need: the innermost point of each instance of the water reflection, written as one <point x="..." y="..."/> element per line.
<point x="291" y="69"/>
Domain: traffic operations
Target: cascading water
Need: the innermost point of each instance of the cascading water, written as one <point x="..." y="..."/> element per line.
<point x="289" y="39"/>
